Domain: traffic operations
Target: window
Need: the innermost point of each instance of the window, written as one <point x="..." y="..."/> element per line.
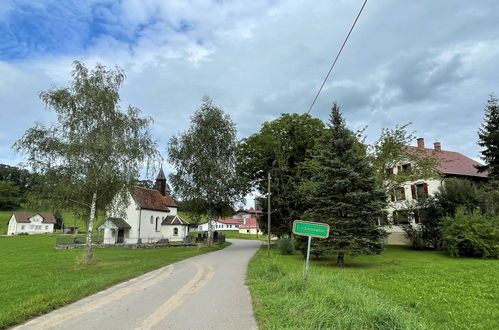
<point x="419" y="190"/>
<point x="22" y="227"/>
<point x="398" y="194"/>
<point x="175" y="231"/>
<point x="46" y="227"/>
<point x="38" y="227"/>
<point x="152" y="219"/>
<point x="406" y="167"/>
<point x="157" y="221"/>
<point x="31" y="227"/>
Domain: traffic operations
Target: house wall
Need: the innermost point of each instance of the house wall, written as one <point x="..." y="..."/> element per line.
<point x="250" y="231"/>
<point x="167" y="232"/>
<point x="36" y="226"/>
<point x="218" y="226"/>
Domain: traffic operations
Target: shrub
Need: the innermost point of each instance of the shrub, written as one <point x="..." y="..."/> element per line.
<point x="471" y="234"/>
<point x="285" y="246"/>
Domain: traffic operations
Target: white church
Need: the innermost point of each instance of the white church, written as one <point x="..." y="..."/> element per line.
<point x="151" y="216"/>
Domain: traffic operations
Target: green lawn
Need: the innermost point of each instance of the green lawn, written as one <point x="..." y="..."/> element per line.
<point x="400" y="289"/>
<point x="35" y="278"/>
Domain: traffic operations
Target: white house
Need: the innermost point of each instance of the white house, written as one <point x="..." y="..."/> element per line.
<point x="151" y="216"/>
<point x="451" y="164"/>
<point x="221" y="224"/>
<point x="31" y="223"/>
<point x="250" y="227"/>
<point x="242" y="214"/>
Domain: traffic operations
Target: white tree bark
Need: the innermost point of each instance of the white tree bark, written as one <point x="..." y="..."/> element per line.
<point x="90" y="252"/>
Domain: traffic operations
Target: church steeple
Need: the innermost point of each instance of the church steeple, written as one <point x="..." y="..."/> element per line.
<point x="161" y="182"/>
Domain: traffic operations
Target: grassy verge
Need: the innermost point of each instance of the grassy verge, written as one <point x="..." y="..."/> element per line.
<point x="35" y="278"/>
<point x="400" y="289"/>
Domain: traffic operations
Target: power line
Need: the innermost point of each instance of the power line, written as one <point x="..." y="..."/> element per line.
<point x="337" y="55"/>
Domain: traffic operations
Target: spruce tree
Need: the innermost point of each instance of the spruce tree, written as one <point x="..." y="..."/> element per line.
<point x="489" y="138"/>
<point x="344" y="194"/>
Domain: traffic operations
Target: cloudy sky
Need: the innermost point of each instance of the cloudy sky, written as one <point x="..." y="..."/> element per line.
<point x="432" y="63"/>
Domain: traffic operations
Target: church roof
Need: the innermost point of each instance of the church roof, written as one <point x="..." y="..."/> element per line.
<point x="152" y="199"/>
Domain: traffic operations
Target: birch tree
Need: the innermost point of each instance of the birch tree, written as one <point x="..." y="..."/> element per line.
<point x="94" y="151"/>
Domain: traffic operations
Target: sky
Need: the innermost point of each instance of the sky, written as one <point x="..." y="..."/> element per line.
<point x="429" y="63"/>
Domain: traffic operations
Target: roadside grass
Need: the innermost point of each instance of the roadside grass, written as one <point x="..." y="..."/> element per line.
<point x="35" y="278"/>
<point x="234" y="234"/>
<point x="400" y="289"/>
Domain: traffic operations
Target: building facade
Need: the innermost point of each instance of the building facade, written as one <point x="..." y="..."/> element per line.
<point x="30" y="223"/>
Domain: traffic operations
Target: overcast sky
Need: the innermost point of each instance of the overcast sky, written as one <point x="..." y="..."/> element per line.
<point x="432" y="63"/>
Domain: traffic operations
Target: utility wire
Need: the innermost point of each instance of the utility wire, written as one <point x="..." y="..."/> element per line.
<point x="337" y="55"/>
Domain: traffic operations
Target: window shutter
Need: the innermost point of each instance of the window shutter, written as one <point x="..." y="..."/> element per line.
<point x="402" y="190"/>
<point x="413" y="191"/>
<point x="392" y="196"/>
<point x="409" y="166"/>
<point x="425" y="188"/>
<point x="390" y="171"/>
<point x="386" y="219"/>
<point x="399" y="169"/>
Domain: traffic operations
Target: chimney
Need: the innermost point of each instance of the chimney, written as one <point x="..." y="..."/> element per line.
<point x="437" y="146"/>
<point x="420" y="142"/>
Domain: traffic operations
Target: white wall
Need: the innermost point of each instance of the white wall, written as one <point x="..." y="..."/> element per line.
<point x="218" y="226"/>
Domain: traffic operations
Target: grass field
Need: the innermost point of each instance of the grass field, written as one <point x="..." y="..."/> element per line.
<point x="400" y="289"/>
<point x="35" y="278"/>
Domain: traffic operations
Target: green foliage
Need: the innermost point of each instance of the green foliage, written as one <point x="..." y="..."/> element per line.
<point x="62" y="279"/>
<point x="390" y="151"/>
<point x="427" y="234"/>
<point x="94" y="151"/>
<point x="280" y="147"/>
<point x="488" y="138"/>
<point x="204" y="158"/>
<point x="343" y="193"/>
<point x="10" y="196"/>
<point x="21" y="178"/>
<point x="472" y="234"/>
<point x="400" y="289"/>
<point x="458" y="192"/>
<point x="286" y="246"/>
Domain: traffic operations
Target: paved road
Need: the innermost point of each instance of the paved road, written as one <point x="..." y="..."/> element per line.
<point x="203" y="292"/>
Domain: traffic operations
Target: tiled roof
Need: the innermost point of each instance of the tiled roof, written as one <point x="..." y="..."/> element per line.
<point x="250" y="223"/>
<point x="452" y="163"/>
<point x="24" y="217"/>
<point x="152" y="199"/>
<point x="174" y="220"/>
<point x="231" y="221"/>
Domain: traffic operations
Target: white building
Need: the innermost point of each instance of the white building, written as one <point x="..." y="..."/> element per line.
<point x="221" y="224"/>
<point x="151" y="216"/>
<point x="451" y="164"/>
<point x="31" y="223"/>
<point x="242" y="214"/>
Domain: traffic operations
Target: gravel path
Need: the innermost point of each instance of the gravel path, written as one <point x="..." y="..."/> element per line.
<point x="203" y="292"/>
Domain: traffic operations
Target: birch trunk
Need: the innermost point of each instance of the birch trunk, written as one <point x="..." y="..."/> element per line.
<point x="90" y="252"/>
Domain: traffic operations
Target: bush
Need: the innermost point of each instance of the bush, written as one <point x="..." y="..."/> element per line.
<point x="285" y="246"/>
<point x="472" y="234"/>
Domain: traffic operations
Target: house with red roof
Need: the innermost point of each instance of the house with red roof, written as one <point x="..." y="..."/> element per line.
<point x="250" y="226"/>
<point x="151" y="216"/>
<point x="30" y="223"/>
<point x="451" y="164"/>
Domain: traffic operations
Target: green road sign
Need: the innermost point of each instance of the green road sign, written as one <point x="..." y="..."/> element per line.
<point x="311" y="229"/>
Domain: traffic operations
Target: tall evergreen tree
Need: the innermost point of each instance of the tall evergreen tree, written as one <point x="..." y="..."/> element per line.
<point x="488" y="138"/>
<point x="344" y="194"/>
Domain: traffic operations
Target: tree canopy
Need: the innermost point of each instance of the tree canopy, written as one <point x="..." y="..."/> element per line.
<point x="488" y="138"/>
<point x="94" y="151"/>
<point x="205" y="158"/>
<point x="280" y="147"/>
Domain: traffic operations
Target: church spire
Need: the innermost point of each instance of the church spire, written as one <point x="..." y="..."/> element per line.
<point x="161" y="182"/>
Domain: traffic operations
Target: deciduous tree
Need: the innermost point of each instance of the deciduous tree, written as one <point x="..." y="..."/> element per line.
<point x="94" y="151"/>
<point x="204" y="158"/>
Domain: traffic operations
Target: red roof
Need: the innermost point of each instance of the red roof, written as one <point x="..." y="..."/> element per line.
<point x="250" y="223"/>
<point x="231" y="221"/>
<point x="152" y="199"/>
<point x="24" y="217"/>
<point x="452" y="163"/>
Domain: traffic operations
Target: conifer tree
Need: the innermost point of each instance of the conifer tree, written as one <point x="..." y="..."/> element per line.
<point x="344" y="194"/>
<point x="489" y="138"/>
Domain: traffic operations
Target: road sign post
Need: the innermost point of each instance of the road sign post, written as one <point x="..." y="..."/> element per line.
<point x="310" y="229"/>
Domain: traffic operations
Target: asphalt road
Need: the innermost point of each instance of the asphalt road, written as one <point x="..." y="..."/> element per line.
<point x="203" y="292"/>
